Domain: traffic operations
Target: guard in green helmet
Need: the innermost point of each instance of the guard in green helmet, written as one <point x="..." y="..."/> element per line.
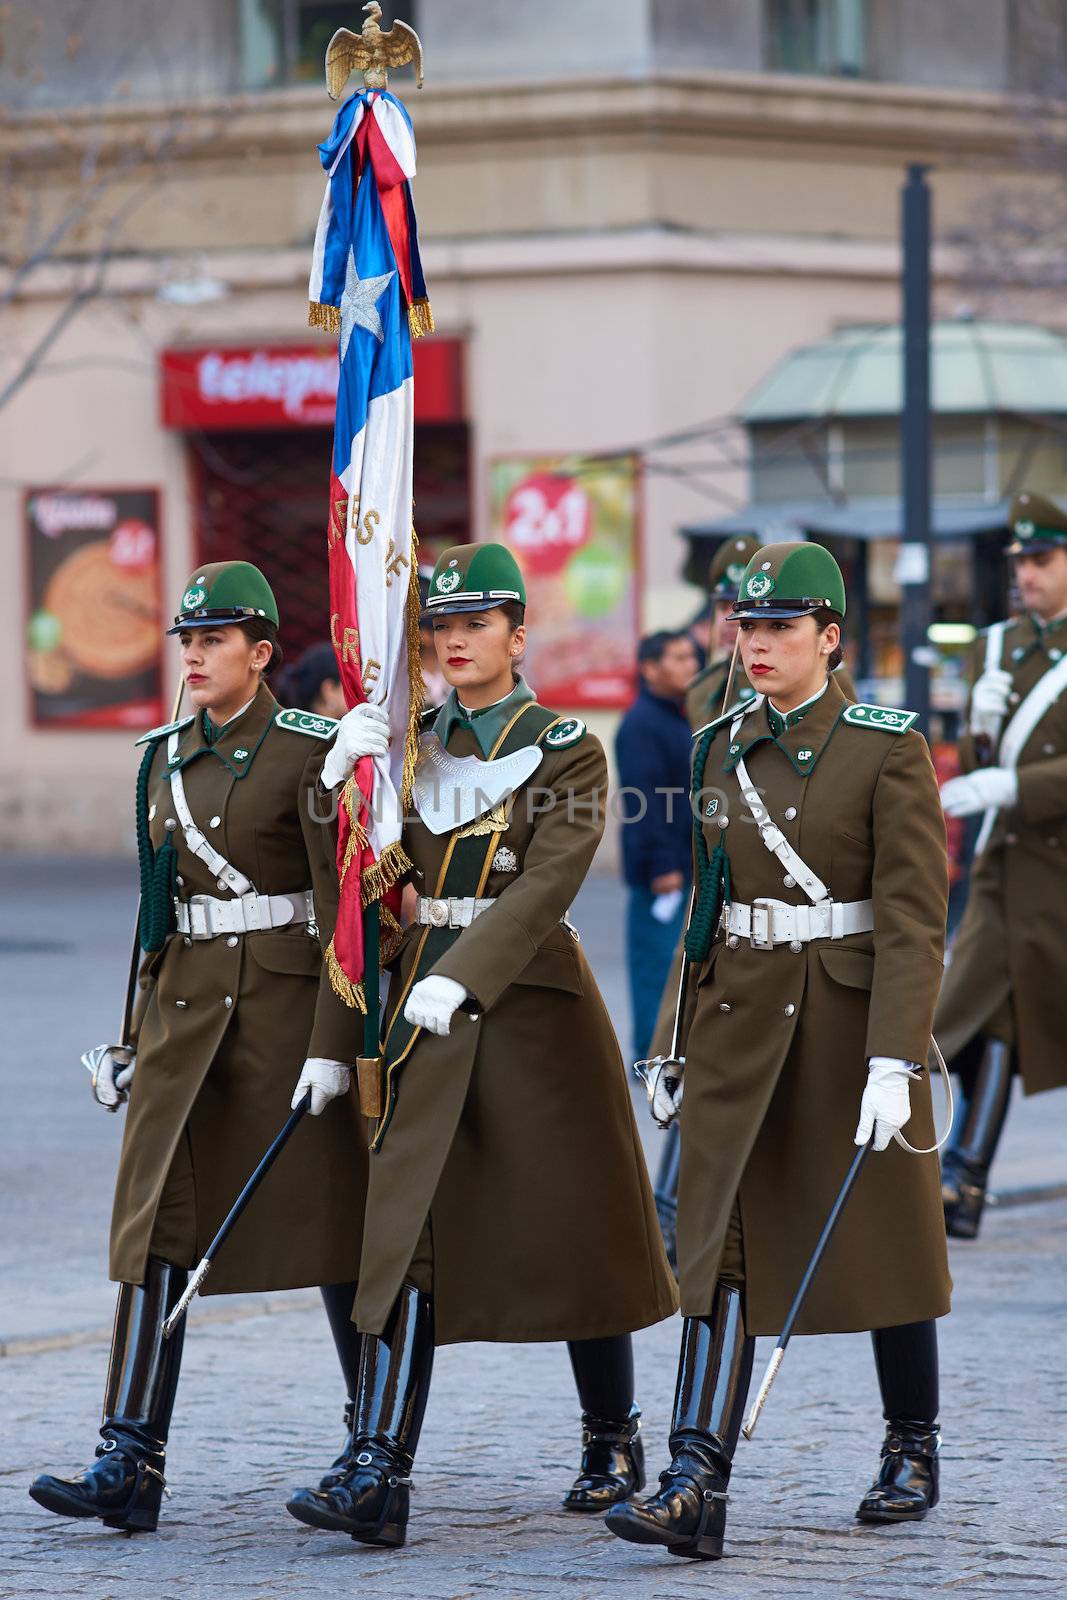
<point x="815" y="953"/>
<point x="1001" y="1010"/>
<point x="508" y="1197"/>
<point x="704" y="696"/>
<point x="238" y="899"/>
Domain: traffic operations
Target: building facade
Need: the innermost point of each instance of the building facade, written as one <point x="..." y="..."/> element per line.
<point x="630" y="211"/>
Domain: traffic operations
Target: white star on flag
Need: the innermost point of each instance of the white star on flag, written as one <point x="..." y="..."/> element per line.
<point x="359" y="304"/>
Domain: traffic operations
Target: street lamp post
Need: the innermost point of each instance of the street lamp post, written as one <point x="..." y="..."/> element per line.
<point x="913" y="567"/>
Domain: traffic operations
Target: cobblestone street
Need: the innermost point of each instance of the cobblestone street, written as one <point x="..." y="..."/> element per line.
<point x="260" y="1402"/>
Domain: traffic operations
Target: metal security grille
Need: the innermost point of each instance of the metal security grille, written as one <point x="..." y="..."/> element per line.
<point x="263" y="497"/>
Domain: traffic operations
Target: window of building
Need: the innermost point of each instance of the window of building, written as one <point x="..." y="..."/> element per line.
<point x="825" y="37"/>
<point x="284" y="41"/>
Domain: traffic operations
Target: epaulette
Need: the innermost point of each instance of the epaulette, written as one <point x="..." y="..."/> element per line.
<point x="887" y="719"/>
<point x="741" y="709"/>
<point x="165" y="728"/>
<point x="306" y="722"/>
<point x="562" y="733"/>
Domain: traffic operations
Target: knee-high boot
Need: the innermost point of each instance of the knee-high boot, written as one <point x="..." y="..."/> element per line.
<point x="965" y="1169"/>
<point x="338" y="1299"/>
<point x="613" y="1457"/>
<point x="124" y="1485"/>
<point x="688" y="1514"/>
<point x="372" y="1500"/>
<point x="907" y="1484"/>
<point x="666" y="1191"/>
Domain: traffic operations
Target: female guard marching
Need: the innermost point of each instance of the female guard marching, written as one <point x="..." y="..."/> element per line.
<point x="815" y="945"/>
<point x="238" y="899"/>
<point x="508" y="1197"/>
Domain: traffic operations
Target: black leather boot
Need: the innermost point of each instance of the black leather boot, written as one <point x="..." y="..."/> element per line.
<point x="338" y="1299"/>
<point x="908" y="1481"/>
<point x="666" y="1191"/>
<point x="372" y="1500"/>
<point x="965" y="1168"/>
<point x="688" y="1513"/>
<point x="612" y="1467"/>
<point x="125" y="1484"/>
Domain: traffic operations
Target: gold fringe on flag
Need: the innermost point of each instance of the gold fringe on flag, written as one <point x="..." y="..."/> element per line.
<point x="420" y="319"/>
<point x="351" y="993"/>
<point x="387" y="870"/>
<point x="328" y="318"/>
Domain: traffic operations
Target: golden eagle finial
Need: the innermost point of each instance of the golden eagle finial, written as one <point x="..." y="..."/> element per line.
<point x="371" y="52"/>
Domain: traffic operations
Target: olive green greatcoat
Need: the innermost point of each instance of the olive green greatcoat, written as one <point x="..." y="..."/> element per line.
<point x="515" y="1133"/>
<point x="223" y="1029"/>
<point x="779" y="1039"/>
<point x="1007" y="958"/>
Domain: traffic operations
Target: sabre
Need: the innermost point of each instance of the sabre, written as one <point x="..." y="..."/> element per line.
<point x="192" y="1288"/>
<point x="778" y="1355"/>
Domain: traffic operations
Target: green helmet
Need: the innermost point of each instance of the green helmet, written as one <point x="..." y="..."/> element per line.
<point x="1038" y="524"/>
<point x="474" y="577"/>
<point x="225" y="591"/>
<point x="728" y="565"/>
<point x="790" y="580"/>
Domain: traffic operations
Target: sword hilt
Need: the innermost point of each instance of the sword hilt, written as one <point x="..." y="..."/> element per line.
<point x="189" y="1293"/>
<point x="763" y="1391"/>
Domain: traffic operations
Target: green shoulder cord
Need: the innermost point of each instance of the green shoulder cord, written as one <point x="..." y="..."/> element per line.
<point x="713" y="870"/>
<point x="158" y="869"/>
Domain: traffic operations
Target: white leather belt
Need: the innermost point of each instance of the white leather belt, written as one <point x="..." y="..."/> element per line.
<point x="202" y="917"/>
<point x="766" y="923"/>
<point x="453" y="912"/>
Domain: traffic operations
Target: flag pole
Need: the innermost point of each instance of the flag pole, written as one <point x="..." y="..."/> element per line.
<point x="372" y="930"/>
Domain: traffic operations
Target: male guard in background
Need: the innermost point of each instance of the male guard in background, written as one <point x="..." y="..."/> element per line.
<point x="1002" y="1008"/>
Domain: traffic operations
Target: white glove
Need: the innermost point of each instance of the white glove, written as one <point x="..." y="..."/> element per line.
<point x="111" y="1067"/>
<point x="664" y="906"/>
<point x="433" y="1002"/>
<point x="663" y="1084"/>
<point x="989" y="701"/>
<point x="886" y="1103"/>
<point x="325" y="1079"/>
<point x="363" y="731"/>
<point x="989" y="786"/>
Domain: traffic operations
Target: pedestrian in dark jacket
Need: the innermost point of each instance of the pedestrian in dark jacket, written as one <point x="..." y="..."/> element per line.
<point x="652" y="751"/>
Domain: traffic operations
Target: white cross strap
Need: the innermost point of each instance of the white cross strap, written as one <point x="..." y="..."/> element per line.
<point x="772" y="837"/>
<point x="225" y="875"/>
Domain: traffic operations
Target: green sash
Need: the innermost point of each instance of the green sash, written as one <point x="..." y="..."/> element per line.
<point x="463" y="873"/>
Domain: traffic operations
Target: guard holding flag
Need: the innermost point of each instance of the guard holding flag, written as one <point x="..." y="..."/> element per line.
<point x="238" y="897"/>
<point x="814" y="952"/>
<point x="508" y="1197"/>
<point x="1001" y="1009"/>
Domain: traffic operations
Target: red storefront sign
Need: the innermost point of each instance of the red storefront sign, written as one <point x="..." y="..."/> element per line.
<point x="287" y="386"/>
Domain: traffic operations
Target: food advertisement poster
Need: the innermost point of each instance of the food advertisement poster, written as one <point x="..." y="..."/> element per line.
<point x="93" y="629"/>
<point x="572" y="524"/>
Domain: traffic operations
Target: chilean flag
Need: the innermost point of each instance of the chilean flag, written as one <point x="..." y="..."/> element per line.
<point x="367" y="283"/>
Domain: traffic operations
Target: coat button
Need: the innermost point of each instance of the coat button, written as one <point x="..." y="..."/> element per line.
<point x="214" y="822"/>
<point x="796" y="946"/>
<point x="789" y="881"/>
<point x="722" y="822"/>
<point x="724" y="1005"/>
<point x="1053" y="844"/>
<point x="180" y="881"/>
<point x="186" y="940"/>
<point x="1046" y="750"/>
<point x="790" y="1008"/>
<point x="733" y="941"/>
<point x="1012" y="838"/>
<point x="790" y="813"/>
<point x="170" y="824"/>
<point x="1013" y="698"/>
<point x="182" y="1005"/>
<point x="228" y="1001"/>
<point x="232" y="940"/>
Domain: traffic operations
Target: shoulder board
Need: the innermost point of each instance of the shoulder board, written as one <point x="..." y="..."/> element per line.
<point x="165" y="728"/>
<point x="885" y="718"/>
<point x="562" y="733"/>
<point x="306" y="722"/>
<point x="741" y="709"/>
